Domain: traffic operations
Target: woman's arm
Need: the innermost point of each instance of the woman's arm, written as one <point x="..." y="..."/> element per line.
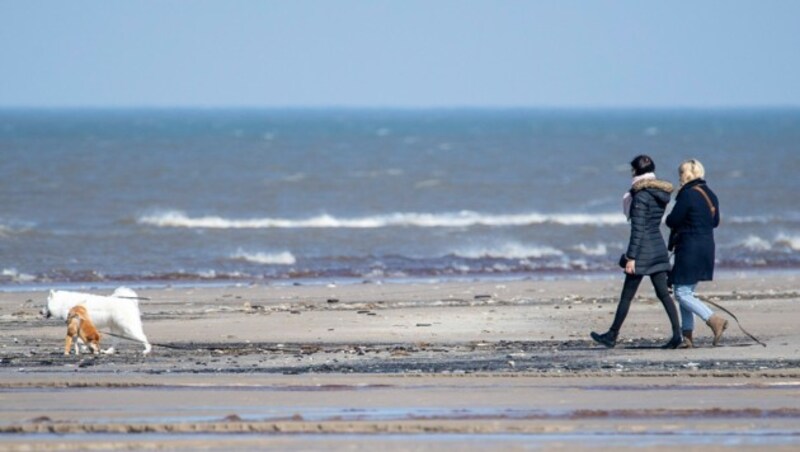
<point x="638" y="226"/>
<point x="679" y="211"/>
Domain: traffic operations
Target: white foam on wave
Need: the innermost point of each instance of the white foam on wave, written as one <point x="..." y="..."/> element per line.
<point x="16" y="276"/>
<point x="597" y="250"/>
<point x="461" y="219"/>
<point x="282" y="258"/>
<point x="755" y="243"/>
<point x="781" y="242"/>
<point x="787" y="217"/>
<point x="508" y="251"/>
<point x="789" y="241"/>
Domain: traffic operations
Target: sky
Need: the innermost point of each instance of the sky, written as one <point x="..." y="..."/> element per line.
<point x="403" y="53"/>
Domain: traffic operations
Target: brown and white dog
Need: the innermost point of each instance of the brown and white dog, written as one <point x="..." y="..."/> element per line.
<point x="118" y="313"/>
<point x="79" y="325"/>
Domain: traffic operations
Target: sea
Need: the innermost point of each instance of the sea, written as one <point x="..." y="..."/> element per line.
<point x="94" y="197"/>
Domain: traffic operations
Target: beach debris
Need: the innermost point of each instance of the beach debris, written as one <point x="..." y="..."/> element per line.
<point x="232" y="418"/>
<point x="512" y="364"/>
<point x="333" y="300"/>
<point x="482" y="296"/>
<point x="691" y="365"/>
<point x="40" y="419"/>
<point x="249" y="307"/>
<point x="423" y="324"/>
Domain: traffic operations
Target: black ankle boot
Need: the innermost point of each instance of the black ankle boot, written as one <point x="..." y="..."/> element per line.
<point x="676" y="340"/>
<point x="609" y="339"/>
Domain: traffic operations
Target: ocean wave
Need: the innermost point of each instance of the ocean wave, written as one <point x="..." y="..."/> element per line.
<point x="11" y="274"/>
<point x="177" y="219"/>
<point x="788" y="217"/>
<point x="597" y="250"/>
<point x="283" y="258"/>
<point x="781" y="242"/>
<point x="755" y="243"/>
<point x="508" y="251"/>
<point x="789" y="241"/>
<point x="15" y="228"/>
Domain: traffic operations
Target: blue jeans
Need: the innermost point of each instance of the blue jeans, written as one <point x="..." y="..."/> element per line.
<point x="690" y="305"/>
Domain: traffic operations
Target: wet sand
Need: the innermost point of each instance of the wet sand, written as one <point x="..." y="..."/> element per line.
<point x="471" y="365"/>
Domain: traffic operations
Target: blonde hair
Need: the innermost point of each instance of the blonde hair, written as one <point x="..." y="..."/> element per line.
<point x="690" y="170"/>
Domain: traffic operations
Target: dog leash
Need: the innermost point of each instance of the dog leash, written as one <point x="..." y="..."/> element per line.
<point x="174" y="347"/>
<point x="721" y="308"/>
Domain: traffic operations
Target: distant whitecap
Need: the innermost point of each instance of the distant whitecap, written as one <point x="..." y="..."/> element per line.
<point x="461" y="219"/>
<point x="282" y="258"/>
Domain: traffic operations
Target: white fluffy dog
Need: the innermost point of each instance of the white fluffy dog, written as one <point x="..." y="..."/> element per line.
<point x="118" y="312"/>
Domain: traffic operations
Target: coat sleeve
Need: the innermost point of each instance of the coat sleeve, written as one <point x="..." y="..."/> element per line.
<point x="638" y="226"/>
<point x="679" y="211"/>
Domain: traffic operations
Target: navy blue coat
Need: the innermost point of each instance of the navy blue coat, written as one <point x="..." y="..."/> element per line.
<point x="646" y="245"/>
<point x="693" y="223"/>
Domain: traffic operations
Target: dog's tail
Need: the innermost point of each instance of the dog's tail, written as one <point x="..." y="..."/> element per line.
<point x="128" y="294"/>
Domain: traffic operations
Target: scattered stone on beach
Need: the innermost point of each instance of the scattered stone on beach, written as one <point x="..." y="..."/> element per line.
<point x="333" y="300"/>
<point x="40" y="419"/>
<point x="423" y="324"/>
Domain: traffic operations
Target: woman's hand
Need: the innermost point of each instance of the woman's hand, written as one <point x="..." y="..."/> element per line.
<point x="630" y="267"/>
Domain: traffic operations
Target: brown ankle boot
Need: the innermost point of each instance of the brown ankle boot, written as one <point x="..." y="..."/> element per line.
<point x="687" y="340"/>
<point x="717" y="325"/>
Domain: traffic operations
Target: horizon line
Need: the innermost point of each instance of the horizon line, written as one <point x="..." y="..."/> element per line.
<point x="323" y="107"/>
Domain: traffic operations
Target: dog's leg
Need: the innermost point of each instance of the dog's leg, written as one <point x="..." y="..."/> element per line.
<point x="84" y="347"/>
<point x="75" y="341"/>
<point x="67" y="344"/>
<point x="112" y="349"/>
<point x="138" y="334"/>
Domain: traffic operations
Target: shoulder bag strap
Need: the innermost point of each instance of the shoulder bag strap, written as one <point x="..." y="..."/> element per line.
<point x="708" y="200"/>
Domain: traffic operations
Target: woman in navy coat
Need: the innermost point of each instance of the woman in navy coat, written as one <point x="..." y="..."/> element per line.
<point x="692" y="221"/>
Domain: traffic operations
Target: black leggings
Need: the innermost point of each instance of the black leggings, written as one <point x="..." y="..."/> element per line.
<point x="632" y="282"/>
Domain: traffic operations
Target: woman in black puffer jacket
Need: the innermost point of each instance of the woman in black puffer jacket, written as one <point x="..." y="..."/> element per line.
<point x="647" y="254"/>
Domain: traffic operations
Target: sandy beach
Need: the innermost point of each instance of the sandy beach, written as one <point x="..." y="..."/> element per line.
<point x="414" y="365"/>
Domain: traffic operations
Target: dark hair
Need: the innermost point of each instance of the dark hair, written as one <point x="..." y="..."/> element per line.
<point x="642" y="164"/>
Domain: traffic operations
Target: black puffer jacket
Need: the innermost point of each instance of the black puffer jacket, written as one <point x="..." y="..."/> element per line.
<point x="646" y="245"/>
